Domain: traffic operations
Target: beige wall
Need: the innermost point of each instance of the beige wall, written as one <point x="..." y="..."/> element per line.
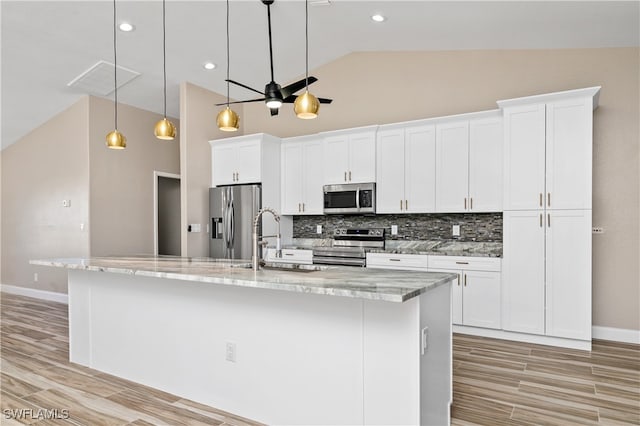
<point x="379" y="88"/>
<point x="198" y="117"/>
<point x="48" y="165"/>
<point x="121" y="181"/>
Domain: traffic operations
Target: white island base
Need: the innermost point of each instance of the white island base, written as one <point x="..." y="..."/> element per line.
<point x="296" y="358"/>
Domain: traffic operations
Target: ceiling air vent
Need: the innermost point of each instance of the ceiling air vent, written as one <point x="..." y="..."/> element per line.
<point x="98" y="79"/>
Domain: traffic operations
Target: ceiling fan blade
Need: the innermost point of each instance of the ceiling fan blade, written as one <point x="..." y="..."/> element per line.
<point x="325" y="100"/>
<point x="289" y="99"/>
<point x="274" y="111"/>
<point x="245" y="86"/>
<point x="294" y="87"/>
<point x="242" y="102"/>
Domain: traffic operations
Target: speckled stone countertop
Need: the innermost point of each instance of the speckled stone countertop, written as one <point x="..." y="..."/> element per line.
<point x="432" y="247"/>
<point x="346" y="281"/>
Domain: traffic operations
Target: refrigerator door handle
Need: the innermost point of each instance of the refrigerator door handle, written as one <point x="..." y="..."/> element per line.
<point x="232" y="225"/>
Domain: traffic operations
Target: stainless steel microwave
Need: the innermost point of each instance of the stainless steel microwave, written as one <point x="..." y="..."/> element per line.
<point x="350" y="198"/>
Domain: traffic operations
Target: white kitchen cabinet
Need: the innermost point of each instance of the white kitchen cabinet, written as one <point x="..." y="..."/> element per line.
<point x="548" y="155"/>
<point x="452" y="167"/>
<point x="239" y="160"/>
<point x="568" y="274"/>
<point x="409" y="262"/>
<point x="405" y="169"/>
<point x="296" y="256"/>
<point x="469" y="165"/>
<point x="350" y="156"/>
<point x="476" y="294"/>
<point x="302" y="175"/>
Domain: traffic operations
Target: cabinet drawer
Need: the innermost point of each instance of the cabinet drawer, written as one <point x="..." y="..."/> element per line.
<point x="290" y="256"/>
<point x="467" y="263"/>
<point x="397" y="261"/>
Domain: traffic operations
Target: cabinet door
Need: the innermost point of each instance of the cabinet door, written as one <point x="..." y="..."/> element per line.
<point x="452" y="167"/>
<point x="224" y="164"/>
<point x="485" y="165"/>
<point x="390" y="171"/>
<point x="336" y="159"/>
<point x="523" y="272"/>
<point x="524" y="156"/>
<point x="481" y="304"/>
<point x="568" y="274"/>
<point x="419" y="169"/>
<point x="292" y="178"/>
<point x="248" y="162"/>
<point x="569" y="154"/>
<point x="362" y="157"/>
<point x="456" y="295"/>
<point x="312" y="178"/>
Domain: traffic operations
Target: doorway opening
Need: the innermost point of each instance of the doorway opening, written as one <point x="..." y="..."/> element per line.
<point x="166" y="214"/>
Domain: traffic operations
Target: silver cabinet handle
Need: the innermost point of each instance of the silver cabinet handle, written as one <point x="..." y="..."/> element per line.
<point x="540" y="220"/>
<point x="394" y="260"/>
<point x="400" y="204"/>
<point x="345" y="176"/>
<point x="541" y="199"/>
<point x="298" y="207"/>
<point x="462" y="263"/>
<point x="465" y="280"/>
<point x="288" y="254"/>
<point x="549" y="220"/>
<point x="349" y="175"/>
<point x="459" y="279"/>
<point x="470" y="203"/>
<point x="406" y="205"/>
<point x="303" y="207"/>
<point x="548" y="199"/>
<point x="465" y="203"/>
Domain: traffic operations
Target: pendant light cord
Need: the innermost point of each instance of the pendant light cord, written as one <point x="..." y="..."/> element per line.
<point x="115" y="67"/>
<point x="270" y="46"/>
<point x="306" y="37"/>
<point x="164" y="55"/>
<point x="227" y="53"/>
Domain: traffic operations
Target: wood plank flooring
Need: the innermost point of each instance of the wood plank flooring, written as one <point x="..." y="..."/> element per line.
<point x="495" y="382"/>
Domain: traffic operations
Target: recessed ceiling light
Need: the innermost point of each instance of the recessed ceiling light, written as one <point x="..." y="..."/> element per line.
<point x="126" y="27"/>
<point x="209" y="65"/>
<point x="378" y="18"/>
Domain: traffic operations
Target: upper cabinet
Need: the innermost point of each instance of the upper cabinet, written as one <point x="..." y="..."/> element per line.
<point x="242" y="159"/>
<point x="548" y="152"/>
<point x="302" y="175"/>
<point x="350" y="155"/>
<point x="469" y="164"/>
<point x="405" y="169"/>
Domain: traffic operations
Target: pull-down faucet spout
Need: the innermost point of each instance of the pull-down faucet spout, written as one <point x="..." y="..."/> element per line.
<point x="255" y="260"/>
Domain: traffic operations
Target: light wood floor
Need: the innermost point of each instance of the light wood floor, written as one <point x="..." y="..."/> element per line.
<point x="495" y="382"/>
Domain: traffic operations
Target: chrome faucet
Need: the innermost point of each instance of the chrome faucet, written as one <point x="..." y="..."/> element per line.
<point x="255" y="260"/>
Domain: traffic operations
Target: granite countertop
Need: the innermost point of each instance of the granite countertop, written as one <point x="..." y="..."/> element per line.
<point x="346" y="281"/>
<point x="432" y="247"/>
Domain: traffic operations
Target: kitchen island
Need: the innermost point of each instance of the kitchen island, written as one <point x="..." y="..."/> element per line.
<point x="290" y="345"/>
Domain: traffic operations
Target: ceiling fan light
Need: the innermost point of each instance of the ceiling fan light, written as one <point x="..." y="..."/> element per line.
<point x="274" y="103"/>
<point x="227" y="120"/>
<point x="306" y="106"/>
<point x="165" y="130"/>
<point x="116" y="140"/>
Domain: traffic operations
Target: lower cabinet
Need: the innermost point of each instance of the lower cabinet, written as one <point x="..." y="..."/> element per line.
<point x="475" y="294"/>
<point x="298" y="256"/>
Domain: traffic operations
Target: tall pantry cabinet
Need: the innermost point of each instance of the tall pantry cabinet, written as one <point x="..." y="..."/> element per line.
<point x="547" y="214"/>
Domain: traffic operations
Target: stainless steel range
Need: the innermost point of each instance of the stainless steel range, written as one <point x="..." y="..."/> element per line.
<point x="350" y="246"/>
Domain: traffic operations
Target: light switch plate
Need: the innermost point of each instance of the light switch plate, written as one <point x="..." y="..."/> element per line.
<point x="318" y="229"/>
<point x="456" y="230"/>
<point x="394" y="229"/>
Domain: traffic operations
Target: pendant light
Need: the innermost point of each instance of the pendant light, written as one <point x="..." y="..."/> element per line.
<point x="115" y="139"/>
<point x="306" y="105"/>
<point x="227" y="119"/>
<point x="164" y="129"/>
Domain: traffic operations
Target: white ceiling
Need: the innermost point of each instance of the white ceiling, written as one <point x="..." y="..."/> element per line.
<point x="47" y="44"/>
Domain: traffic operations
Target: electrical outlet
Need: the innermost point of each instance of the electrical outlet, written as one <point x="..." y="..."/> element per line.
<point x="66" y="203"/>
<point x="318" y="229"/>
<point x="35" y="277"/>
<point x="456" y="230"/>
<point x="394" y="229"/>
<point x="597" y="230"/>
<point x="231" y="352"/>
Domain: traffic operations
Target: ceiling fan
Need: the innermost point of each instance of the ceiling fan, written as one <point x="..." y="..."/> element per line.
<point x="274" y="95"/>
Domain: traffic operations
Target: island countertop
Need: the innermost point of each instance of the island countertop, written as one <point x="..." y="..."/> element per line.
<point x="345" y="281"/>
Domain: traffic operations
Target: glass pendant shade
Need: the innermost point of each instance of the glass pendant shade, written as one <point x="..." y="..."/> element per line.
<point x="165" y="130"/>
<point x="227" y="120"/>
<point x="116" y="140"/>
<point x="306" y="106"/>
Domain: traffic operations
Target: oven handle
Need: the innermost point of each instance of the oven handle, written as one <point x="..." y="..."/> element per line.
<point x="358" y="198"/>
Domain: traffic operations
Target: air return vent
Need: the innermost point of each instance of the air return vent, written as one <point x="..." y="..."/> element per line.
<point x="98" y="79"/>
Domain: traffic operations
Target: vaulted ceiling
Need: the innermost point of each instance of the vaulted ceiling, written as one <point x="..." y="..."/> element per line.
<point x="46" y="44"/>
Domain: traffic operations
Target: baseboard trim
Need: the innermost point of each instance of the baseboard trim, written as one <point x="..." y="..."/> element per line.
<point x="35" y="293"/>
<point x="616" y="334"/>
<point x="584" y="345"/>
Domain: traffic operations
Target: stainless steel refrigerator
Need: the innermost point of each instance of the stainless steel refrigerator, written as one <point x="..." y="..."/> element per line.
<point x="231" y="210"/>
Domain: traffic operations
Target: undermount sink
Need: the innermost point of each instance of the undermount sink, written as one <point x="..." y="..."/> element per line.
<point x="288" y="267"/>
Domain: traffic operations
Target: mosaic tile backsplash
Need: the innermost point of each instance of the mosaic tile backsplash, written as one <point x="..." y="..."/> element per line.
<point x="483" y="227"/>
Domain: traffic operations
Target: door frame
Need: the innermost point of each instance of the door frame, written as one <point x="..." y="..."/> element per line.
<point x="156" y="175"/>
